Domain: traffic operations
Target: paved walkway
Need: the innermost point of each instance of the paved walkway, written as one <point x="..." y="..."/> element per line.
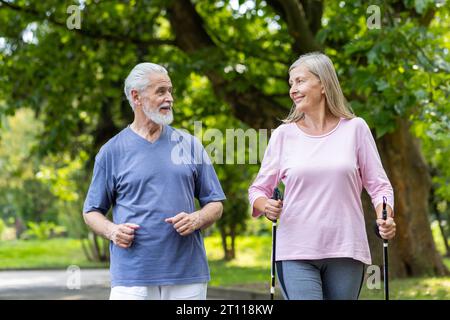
<point x="88" y="284"/>
<point x="55" y="284"/>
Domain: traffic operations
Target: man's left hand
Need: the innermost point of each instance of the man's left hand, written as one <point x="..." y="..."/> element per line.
<point x="185" y="223"/>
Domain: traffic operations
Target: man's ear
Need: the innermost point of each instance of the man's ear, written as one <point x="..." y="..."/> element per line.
<point x="135" y="97"/>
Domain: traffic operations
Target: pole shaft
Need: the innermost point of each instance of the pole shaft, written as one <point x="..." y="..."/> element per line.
<point x="386" y="270"/>
<point x="276" y="196"/>
<point x="385" y="256"/>
<point x="272" y="269"/>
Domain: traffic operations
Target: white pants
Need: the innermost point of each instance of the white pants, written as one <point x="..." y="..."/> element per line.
<point x="195" y="291"/>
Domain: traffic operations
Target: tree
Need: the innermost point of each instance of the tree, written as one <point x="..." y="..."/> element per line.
<point x="23" y="197"/>
<point x="392" y="76"/>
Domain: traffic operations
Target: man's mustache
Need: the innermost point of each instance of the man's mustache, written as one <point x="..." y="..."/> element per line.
<point x="165" y="106"/>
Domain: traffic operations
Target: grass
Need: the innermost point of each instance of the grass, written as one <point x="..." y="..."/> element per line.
<point x="412" y="289"/>
<point x="251" y="269"/>
<point x="251" y="266"/>
<point x="36" y="254"/>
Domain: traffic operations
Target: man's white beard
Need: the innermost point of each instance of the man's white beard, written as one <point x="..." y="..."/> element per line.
<point x="157" y="117"/>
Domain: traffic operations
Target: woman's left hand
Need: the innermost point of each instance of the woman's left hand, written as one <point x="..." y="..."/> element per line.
<point x="387" y="228"/>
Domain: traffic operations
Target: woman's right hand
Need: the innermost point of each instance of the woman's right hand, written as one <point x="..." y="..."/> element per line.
<point x="273" y="208"/>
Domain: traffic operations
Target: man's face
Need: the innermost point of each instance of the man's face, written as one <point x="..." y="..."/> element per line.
<point x="157" y="99"/>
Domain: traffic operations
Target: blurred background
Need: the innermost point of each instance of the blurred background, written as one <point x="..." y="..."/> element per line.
<point x="62" y="67"/>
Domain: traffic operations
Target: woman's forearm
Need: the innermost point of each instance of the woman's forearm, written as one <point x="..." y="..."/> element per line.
<point x="260" y="204"/>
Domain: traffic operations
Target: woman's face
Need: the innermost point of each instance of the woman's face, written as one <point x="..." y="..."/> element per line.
<point x="306" y="89"/>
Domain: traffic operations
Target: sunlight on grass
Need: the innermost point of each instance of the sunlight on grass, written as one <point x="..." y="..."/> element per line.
<point x="54" y="253"/>
<point x="251" y="266"/>
<point x="426" y="288"/>
<point x="415" y="288"/>
<point x="251" y="251"/>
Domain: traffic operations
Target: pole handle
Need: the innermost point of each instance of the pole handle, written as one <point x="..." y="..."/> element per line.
<point x="277" y="194"/>
<point x="384" y="213"/>
<point x="384" y="217"/>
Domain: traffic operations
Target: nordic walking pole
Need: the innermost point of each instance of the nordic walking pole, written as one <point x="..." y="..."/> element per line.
<point x="276" y="196"/>
<point x="385" y="257"/>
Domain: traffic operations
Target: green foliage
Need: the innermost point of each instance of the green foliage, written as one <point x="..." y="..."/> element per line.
<point x="400" y="70"/>
<point x="436" y="149"/>
<point x="34" y="188"/>
<point x="438" y="238"/>
<point x="2" y="227"/>
<point x="43" y="231"/>
<point x="66" y="178"/>
<point x="22" y="195"/>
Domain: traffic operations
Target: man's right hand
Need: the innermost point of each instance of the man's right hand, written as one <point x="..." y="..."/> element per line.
<point x="122" y="234"/>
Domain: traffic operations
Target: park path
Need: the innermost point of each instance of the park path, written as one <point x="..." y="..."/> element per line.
<point x="53" y="284"/>
<point x="94" y="284"/>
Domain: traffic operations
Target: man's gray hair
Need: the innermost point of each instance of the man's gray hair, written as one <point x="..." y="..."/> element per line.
<point x="139" y="79"/>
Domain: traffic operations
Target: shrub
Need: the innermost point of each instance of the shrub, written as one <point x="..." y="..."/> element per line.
<point x="43" y="230"/>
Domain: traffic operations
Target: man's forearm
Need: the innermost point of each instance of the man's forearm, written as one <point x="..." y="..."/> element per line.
<point x="209" y="214"/>
<point x="98" y="223"/>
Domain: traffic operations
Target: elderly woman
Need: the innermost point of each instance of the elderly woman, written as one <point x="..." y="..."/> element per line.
<point x="324" y="155"/>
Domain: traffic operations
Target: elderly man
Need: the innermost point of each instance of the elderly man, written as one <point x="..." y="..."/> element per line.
<point x="156" y="247"/>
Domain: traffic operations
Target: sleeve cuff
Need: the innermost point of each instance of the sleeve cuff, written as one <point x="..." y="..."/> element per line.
<point x="389" y="202"/>
<point x="256" y="213"/>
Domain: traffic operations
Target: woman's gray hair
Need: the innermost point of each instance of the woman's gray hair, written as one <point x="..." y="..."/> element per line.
<point x="139" y="79"/>
<point x="322" y="67"/>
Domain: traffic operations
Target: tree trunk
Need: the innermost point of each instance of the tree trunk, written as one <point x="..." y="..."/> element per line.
<point x="229" y="252"/>
<point x="226" y="251"/>
<point x="412" y="252"/>
<point x="86" y="250"/>
<point x="233" y="243"/>
<point x="19" y="227"/>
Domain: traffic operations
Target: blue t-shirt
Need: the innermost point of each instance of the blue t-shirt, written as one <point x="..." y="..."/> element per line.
<point x="146" y="183"/>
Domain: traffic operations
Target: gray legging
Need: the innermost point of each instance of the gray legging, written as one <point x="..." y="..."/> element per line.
<point x="324" y="279"/>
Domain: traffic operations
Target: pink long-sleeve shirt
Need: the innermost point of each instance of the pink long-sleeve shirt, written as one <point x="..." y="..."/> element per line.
<point x="323" y="175"/>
